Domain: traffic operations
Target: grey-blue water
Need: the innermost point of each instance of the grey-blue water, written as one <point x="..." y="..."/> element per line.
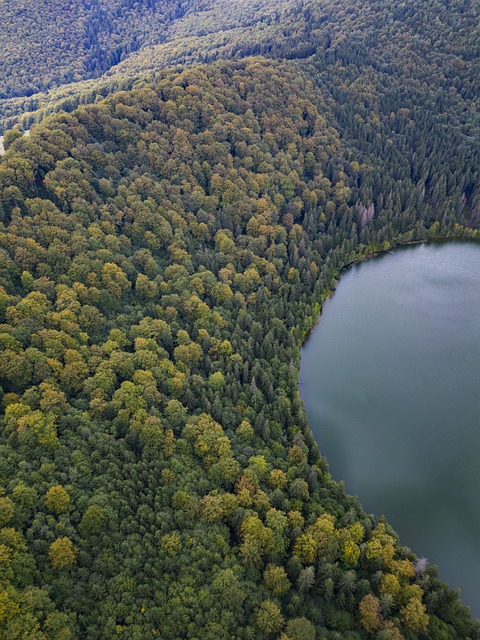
<point x="390" y="378"/>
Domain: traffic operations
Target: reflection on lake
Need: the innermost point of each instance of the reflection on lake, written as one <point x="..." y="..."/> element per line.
<point x="390" y="379"/>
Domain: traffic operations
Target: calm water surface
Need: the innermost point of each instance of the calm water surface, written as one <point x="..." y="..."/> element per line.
<point x="390" y="379"/>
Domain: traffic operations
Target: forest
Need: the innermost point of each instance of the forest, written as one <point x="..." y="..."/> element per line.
<point x="84" y="54"/>
<point x="164" y="251"/>
<point x="73" y="41"/>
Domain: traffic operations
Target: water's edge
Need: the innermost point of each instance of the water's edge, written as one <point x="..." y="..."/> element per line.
<point x="375" y="254"/>
<point x="444" y="239"/>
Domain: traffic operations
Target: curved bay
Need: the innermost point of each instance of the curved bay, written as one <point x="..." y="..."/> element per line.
<point x="390" y="379"/>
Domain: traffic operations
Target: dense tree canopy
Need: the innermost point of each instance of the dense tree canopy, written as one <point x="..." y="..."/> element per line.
<point x="163" y="254"/>
<point x="431" y="45"/>
<point x="52" y="43"/>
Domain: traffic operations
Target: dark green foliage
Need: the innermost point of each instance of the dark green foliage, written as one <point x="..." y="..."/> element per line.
<point x="430" y="48"/>
<point x="163" y="254"/>
<point x="55" y="42"/>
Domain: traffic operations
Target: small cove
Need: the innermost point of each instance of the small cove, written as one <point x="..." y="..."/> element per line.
<point x="391" y="385"/>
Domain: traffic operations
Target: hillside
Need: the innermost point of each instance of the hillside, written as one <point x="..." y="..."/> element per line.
<point x="53" y="43"/>
<point x="435" y="43"/>
<point x="163" y="253"/>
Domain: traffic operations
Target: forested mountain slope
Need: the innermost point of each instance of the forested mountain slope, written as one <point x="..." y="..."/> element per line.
<point x="162" y="255"/>
<point x="51" y="43"/>
<point x="432" y="43"/>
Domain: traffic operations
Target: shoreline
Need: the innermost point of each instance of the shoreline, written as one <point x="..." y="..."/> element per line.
<point x="307" y="389"/>
<point x="374" y="254"/>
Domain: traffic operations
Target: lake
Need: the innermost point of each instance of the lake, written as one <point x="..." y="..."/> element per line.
<point x="390" y="378"/>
